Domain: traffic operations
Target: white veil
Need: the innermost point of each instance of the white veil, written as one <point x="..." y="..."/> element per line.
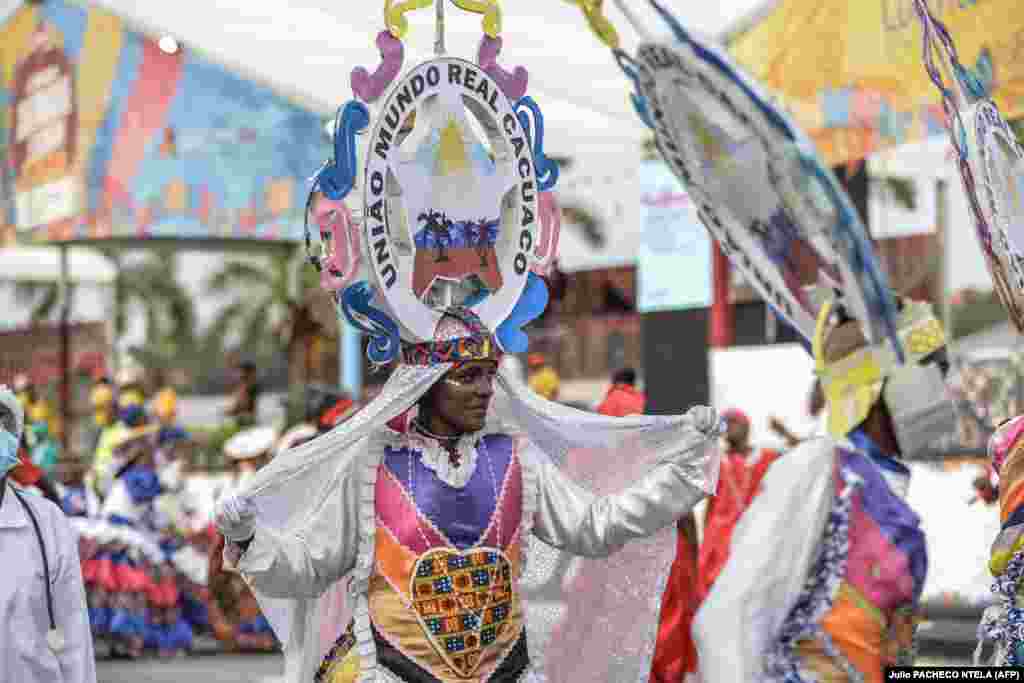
<point x="603" y="453"/>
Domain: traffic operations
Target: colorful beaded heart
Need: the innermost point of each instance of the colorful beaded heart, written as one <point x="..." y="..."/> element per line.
<point x="462" y="600"/>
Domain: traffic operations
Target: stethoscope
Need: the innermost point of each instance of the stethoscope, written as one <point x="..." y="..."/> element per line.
<point x="54" y="637"/>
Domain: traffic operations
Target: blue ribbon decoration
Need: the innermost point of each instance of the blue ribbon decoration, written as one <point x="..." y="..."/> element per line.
<point x="673" y="23"/>
<point x="628" y="67"/>
<point x="546" y="170"/>
<point x="857" y="247"/>
<point x="337" y="177"/>
<point x="382" y="330"/>
<point x="530" y="306"/>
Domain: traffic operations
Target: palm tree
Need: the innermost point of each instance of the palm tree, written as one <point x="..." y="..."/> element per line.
<point x="265" y="313"/>
<point x="44" y="298"/>
<point x="151" y="285"/>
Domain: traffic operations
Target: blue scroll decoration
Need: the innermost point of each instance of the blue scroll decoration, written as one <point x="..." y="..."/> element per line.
<point x="355" y="305"/>
<point x="850" y="235"/>
<point x="530" y="306"/>
<point x="546" y="170"/>
<point x="337" y="177"/>
<point x="631" y="70"/>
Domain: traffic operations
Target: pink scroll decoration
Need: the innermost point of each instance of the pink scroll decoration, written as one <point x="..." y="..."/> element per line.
<point x="550" y="226"/>
<point x="337" y="227"/>
<point x="368" y="87"/>
<point x="513" y="83"/>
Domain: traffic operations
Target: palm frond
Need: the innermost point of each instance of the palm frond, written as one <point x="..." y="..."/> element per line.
<point x="238" y="276"/>
<point x="257" y="326"/>
<point x="228" y="320"/>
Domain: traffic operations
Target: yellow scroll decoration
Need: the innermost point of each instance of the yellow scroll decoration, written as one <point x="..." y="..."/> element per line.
<point x="394" y="14"/>
<point x="602" y="27"/>
<point x="489" y="8"/>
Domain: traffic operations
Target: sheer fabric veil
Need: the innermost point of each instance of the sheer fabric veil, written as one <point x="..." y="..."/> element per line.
<point x="620" y="596"/>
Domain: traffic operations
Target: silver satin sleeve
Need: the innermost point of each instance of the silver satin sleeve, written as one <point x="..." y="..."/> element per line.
<point x="574" y="520"/>
<point x="305" y="560"/>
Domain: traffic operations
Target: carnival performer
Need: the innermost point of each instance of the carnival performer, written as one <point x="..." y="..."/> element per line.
<point x="834" y="595"/>
<point x="239" y="622"/>
<point x="43" y="448"/>
<point x="738" y="483"/>
<point x="77" y="499"/>
<point x="623" y="398"/>
<point x="130" y="579"/>
<point x="445" y="496"/>
<point x="44" y="636"/>
<point x="104" y="407"/>
<point x="247" y="451"/>
<point x="430" y="607"/>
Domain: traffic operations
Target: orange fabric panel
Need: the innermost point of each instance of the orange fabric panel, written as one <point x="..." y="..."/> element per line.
<point x="858" y="635"/>
<point x="394" y="562"/>
<point x="1011" y="499"/>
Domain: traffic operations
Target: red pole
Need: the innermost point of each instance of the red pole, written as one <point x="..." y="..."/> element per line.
<point x="722" y="323"/>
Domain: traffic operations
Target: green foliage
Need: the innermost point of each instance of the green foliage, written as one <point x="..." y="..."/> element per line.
<point x="211" y="440"/>
<point x="261" y="304"/>
<point x="44" y="298"/>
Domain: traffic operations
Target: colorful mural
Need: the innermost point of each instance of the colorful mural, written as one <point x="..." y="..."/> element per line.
<point x="104" y="135"/>
<point x="851" y="71"/>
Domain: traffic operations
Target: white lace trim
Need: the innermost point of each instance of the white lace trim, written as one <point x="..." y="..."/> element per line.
<point x="359" y="584"/>
<point x="435" y="458"/>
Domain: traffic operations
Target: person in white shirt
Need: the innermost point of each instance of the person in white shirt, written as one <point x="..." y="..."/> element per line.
<point x="44" y="636"/>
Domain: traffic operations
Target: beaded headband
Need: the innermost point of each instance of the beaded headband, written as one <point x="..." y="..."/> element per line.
<point x="474" y="342"/>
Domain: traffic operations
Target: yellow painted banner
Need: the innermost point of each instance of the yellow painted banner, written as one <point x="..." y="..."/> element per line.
<point x="851" y="71"/>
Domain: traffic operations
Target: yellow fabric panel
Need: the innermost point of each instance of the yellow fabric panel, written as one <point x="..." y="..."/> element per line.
<point x="803" y="48"/>
<point x="15" y="44"/>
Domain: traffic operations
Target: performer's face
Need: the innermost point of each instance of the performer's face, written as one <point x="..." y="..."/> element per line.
<point x="737" y="433"/>
<point x="461" y="399"/>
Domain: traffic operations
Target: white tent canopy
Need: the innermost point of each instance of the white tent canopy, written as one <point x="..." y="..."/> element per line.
<point x="42" y="264"/>
<point x="306" y="49"/>
<point x="309" y="47"/>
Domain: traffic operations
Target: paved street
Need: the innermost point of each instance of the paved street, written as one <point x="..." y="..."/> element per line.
<point x="954" y="651"/>
<point x="945" y="640"/>
<point x="205" y="669"/>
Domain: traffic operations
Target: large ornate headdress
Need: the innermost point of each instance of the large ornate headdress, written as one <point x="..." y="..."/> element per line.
<point x="457" y="217"/>
<point x="853" y="373"/>
<point x="776" y="210"/>
<point x="778" y="213"/>
<point x="989" y="158"/>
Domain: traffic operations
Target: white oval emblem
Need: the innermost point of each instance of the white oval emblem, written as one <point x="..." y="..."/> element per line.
<point x="440" y="206"/>
<point x="1000" y="171"/>
<point x="776" y="212"/>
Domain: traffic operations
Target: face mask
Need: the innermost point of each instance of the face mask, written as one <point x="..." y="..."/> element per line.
<point x="8" y="452"/>
<point x="921" y="412"/>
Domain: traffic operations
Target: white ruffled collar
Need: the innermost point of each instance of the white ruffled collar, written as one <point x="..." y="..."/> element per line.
<point x="435" y="458"/>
